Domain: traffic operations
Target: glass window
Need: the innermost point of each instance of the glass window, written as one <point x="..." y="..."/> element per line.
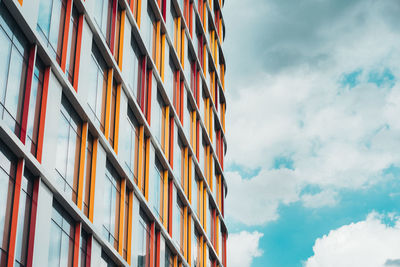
<point x="88" y="174"/>
<point x="171" y="23"/>
<point x="127" y="215"/>
<point x="133" y="66"/>
<point x="221" y="236"/>
<point x="187" y="118"/>
<point x="24" y="213"/>
<point x="111" y="204"/>
<point x="97" y="78"/>
<point x="13" y="68"/>
<point x="129" y="147"/>
<point x="156" y="184"/>
<point x="117" y="34"/>
<point x="51" y="25"/>
<point x="209" y="222"/>
<point x="196" y="253"/>
<point x="103" y="17"/>
<point x="61" y="248"/>
<point x="68" y="149"/>
<point x="105" y="261"/>
<point x="194" y="188"/>
<point x="178" y="157"/>
<point x="177" y="224"/>
<point x="169" y="259"/>
<point x="143" y="241"/>
<point x="169" y="80"/>
<point x="84" y="256"/>
<point x="148" y="29"/>
<point x="32" y="129"/>
<point x="158" y="116"/>
<point x="7" y="180"/>
<point x="73" y="33"/>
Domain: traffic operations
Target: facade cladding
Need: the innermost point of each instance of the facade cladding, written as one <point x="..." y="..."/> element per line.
<point x="112" y="133"/>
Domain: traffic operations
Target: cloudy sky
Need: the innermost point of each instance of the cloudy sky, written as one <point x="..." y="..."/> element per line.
<point x="313" y="129"/>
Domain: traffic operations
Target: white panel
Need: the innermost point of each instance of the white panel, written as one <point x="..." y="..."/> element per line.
<point x="162" y="250"/>
<point x="99" y="187"/>
<point x="96" y="253"/>
<point x="135" y="226"/>
<point x="43" y="224"/>
<point x="86" y="52"/>
<point x="51" y="122"/>
<point x="30" y="11"/>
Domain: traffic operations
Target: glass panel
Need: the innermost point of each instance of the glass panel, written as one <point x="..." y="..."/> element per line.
<point x="24" y="219"/>
<point x="55" y="245"/>
<point x="73" y="33"/>
<point x="5" y="54"/>
<point x="45" y="16"/>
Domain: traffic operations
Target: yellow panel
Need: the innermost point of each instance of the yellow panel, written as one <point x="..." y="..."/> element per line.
<point x="93" y="179"/>
<point x="121" y="39"/>
<point x="129" y="228"/>
<point x="108" y="103"/>
<point x="140" y="160"/>
<point x="82" y="158"/>
<point x="146" y="188"/>
<point x="165" y="222"/>
<point x="167" y="130"/>
<point x="121" y="217"/>
<point x="116" y="124"/>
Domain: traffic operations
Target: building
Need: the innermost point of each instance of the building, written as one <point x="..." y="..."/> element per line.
<point x="112" y="133"/>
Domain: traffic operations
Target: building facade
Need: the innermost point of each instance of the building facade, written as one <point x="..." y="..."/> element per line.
<point x="112" y="133"/>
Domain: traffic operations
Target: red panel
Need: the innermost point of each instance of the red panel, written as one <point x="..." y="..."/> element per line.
<point x="32" y="225"/>
<point x="148" y="100"/>
<point x="43" y="114"/>
<point x="78" y="52"/>
<point x="170" y="207"/>
<point x="27" y="96"/>
<point x="158" y="249"/>
<point x="14" y="216"/>
<point x="152" y="238"/>
<point x="76" y="244"/>
<point x="89" y="251"/>
<point x="113" y="21"/>
<point x="66" y="33"/>
<point x="171" y="143"/>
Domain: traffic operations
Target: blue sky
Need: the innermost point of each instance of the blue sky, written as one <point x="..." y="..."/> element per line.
<point x="313" y="129"/>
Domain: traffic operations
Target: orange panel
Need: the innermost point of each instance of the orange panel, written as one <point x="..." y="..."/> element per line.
<point x="43" y="114"/>
<point x="165" y="212"/>
<point x="121" y="216"/>
<point x="140" y="160"/>
<point x="78" y="52"/>
<point x="108" y="103"/>
<point x="93" y="179"/>
<point x="65" y="35"/>
<point x="116" y="124"/>
<point x="189" y="252"/>
<point x="129" y="247"/>
<point x="121" y="39"/>
<point x="82" y="164"/>
<point x="14" y="212"/>
<point x="76" y="244"/>
<point x="147" y="168"/>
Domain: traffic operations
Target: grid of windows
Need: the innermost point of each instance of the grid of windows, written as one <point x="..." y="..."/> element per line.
<point x="134" y="147"/>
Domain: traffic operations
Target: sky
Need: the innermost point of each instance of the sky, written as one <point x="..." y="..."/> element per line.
<point x="313" y="132"/>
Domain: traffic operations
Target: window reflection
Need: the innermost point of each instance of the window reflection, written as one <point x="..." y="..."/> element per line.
<point x="51" y="25"/>
<point x="68" y="149"/>
<point x="61" y="247"/>
<point x="111" y="204"/>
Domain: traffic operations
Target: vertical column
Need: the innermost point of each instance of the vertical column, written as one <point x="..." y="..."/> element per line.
<point x="121" y="217"/>
<point x="108" y="103"/>
<point x="42" y="119"/>
<point x="78" y="52"/>
<point x="14" y="212"/>
<point x="66" y="34"/>
<point x="28" y="86"/>
<point x="93" y="179"/>
<point x="146" y="179"/>
<point x="82" y="157"/>
<point x="76" y="244"/>
<point x="117" y="115"/>
<point x="32" y="225"/>
<point x="165" y="200"/>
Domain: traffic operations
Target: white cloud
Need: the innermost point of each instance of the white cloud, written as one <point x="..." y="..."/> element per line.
<point x="243" y="247"/>
<point x="337" y="137"/>
<point x="368" y="243"/>
<point x="321" y="199"/>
